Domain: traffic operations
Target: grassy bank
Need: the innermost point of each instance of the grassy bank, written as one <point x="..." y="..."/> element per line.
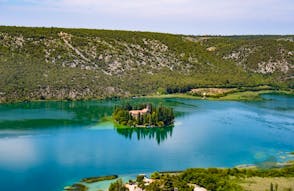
<point x="234" y="96"/>
<point x="264" y="183"/>
<point x="246" y="178"/>
<point x="99" y="178"/>
<point x="224" y="179"/>
<point x="81" y="186"/>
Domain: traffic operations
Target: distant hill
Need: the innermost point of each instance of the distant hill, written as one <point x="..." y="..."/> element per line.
<point x="57" y="63"/>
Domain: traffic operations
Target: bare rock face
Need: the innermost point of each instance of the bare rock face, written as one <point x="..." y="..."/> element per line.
<point x="110" y="90"/>
<point x="279" y="60"/>
<point x="13" y="42"/>
<point x="289" y="39"/>
<point x="72" y="94"/>
<point x="273" y="66"/>
<point x="65" y="36"/>
<point x="233" y="55"/>
<point x="19" y="41"/>
<point x="240" y="55"/>
<point x="113" y="57"/>
<point x="211" y="49"/>
<point x="2" y="97"/>
<point x="58" y="63"/>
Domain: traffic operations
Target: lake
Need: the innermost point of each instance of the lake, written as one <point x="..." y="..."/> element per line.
<point x="48" y="145"/>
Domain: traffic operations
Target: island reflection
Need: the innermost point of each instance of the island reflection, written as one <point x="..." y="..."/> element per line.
<point x="159" y="134"/>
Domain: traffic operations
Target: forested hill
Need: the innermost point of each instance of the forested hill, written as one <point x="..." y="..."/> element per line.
<point x="57" y="63"/>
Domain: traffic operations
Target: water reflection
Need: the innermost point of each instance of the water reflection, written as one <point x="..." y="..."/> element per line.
<point x="159" y="134"/>
<point x="40" y="115"/>
<point x="17" y="153"/>
<point x="70" y="140"/>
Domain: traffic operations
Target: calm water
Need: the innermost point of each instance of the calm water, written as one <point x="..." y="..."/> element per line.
<point x="48" y="145"/>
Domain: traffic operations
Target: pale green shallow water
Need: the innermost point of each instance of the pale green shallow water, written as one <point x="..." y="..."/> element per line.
<point x="48" y="145"/>
<point x="103" y="185"/>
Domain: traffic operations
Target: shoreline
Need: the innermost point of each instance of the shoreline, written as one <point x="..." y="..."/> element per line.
<point x="234" y="96"/>
<point x="106" y="183"/>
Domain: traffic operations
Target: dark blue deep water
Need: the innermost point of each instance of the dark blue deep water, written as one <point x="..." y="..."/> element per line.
<point x="48" y="145"/>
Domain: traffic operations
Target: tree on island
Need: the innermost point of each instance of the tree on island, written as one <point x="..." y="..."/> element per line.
<point x="144" y="115"/>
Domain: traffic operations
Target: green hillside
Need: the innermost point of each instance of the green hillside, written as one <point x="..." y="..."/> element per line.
<point x="57" y="63"/>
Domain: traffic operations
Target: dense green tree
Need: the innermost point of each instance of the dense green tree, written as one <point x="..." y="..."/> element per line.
<point x="157" y="117"/>
<point x="117" y="186"/>
<point x="155" y="186"/>
<point x="214" y="179"/>
<point x="155" y="175"/>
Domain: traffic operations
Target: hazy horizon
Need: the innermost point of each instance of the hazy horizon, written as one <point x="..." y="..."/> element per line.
<point x="224" y="35"/>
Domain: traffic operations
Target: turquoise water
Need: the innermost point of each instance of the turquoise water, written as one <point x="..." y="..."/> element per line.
<point x="48" y="145"/>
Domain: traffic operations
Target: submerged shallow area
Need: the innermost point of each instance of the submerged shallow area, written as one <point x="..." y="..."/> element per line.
<point x="48" y="145"/>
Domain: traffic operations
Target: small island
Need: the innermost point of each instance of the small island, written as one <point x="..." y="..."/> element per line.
<point x="143" y="115"/>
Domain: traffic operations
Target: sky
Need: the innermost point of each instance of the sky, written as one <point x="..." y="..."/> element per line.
<point x="197" y="17"/>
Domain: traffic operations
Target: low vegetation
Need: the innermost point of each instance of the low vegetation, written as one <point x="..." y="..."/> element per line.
<point x="268" y="183"/>
<point x="80" y="186"/>
<point x="275" y="178"/>
<point x="99" y="178"/>
<point x="72" y="64"/>
<point x="76" y="187"/>
<point x="222" y="179"/>
<point x="117" y="186"/>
